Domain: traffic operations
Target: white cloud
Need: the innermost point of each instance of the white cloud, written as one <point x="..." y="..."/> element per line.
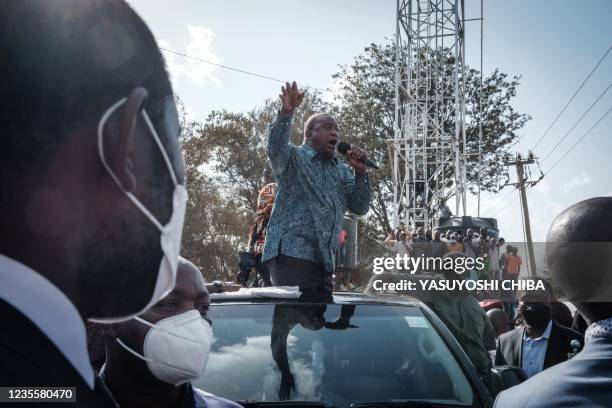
<point x="254" y="358"/>
<point x="577" y="181"/>
<point x="608" y="194"/>
<point x="194" y="71"/>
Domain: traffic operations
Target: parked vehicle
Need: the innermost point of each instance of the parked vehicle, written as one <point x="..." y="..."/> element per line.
<point x="340" y="351"/>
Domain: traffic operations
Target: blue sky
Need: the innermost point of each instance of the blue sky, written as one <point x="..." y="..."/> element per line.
<point x="553" y="44"/>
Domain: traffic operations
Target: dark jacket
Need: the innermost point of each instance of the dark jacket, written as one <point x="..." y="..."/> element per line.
<point x="510" y="346"/>
<point x="583" y="381"/>
<point x="28" y="358"/>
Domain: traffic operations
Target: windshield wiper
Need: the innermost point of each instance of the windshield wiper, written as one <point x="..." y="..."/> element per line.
<point x="263" y="404"/>
<point x="400" y="404"/>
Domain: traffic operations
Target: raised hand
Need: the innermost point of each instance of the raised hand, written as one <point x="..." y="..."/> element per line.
<point x="290" y="98"/>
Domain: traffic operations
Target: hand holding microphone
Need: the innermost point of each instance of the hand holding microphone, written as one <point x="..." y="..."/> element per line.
<point x="576" y="346"/>
<point x="356" y="157"/>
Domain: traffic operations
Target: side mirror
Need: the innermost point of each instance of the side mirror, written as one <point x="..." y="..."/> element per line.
<point x="504" y="377"/>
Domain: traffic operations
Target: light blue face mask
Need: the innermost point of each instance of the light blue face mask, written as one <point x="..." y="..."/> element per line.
<point x="170" y="233"/>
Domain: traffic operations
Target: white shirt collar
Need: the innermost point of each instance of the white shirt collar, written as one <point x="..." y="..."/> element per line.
<point x="545" y="335"/>
<point x="51" y="311"/>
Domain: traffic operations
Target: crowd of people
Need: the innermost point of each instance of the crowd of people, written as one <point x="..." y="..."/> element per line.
<point x="553" y="346"/>
<point x="579" y="376"/>
<point x="437" y="243"/>
<point x="92" y="214"/>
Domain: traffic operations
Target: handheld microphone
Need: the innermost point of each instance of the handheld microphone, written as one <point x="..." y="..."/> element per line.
<point x="575" y="345"/>
<point x="344" y="147"/>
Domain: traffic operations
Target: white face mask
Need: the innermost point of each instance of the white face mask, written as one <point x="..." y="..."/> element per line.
<point x="170" y="233"/>
<point x="176" y="348"/>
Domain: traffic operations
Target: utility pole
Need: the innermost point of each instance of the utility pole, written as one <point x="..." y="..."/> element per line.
<point x="522" y="183"/>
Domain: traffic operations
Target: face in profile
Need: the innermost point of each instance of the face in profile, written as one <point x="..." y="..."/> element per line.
<point x="122" y="254"/>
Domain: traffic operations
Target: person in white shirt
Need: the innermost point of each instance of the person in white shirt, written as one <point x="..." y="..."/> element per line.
<point x="399" y="246"/>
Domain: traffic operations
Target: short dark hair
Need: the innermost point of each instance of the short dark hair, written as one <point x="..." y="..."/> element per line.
<point x="65" y="63"/>
<point x="578" y="247"/>
<point x="547" y="288"/>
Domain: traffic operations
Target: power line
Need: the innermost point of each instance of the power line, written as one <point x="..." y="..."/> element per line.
<point x="242" y="71"/>
<point x="500" y="202"/>
<point x="572" y="98"/>
<point x="576" y="123"/>
<point x="580" y="140"/>
<point x="554" y="165"/>
<point x="566" y="134"/>
<point x="505" y="206"/>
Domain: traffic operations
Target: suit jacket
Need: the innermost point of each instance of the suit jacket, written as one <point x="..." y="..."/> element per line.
<point x="583" y="381"/>
<point x="29" y="359"/>
<point x="510" y="346"/>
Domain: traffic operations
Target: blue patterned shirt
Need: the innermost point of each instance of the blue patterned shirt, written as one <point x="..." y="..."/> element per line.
<point x="313" y="194"/>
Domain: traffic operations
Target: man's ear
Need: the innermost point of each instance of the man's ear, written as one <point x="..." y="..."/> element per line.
<point x="121" y="153"/>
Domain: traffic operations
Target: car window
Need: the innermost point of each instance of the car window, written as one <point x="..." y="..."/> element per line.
<point x="333" y="354"/>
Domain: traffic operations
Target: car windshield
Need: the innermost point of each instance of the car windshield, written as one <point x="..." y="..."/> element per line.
<point x="334" y="354"/>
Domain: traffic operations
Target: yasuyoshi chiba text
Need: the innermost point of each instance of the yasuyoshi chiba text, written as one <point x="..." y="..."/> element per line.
<point x="456" y="284"/>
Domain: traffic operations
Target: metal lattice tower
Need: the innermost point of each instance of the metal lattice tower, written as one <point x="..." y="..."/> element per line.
<point x="429" y="136"/>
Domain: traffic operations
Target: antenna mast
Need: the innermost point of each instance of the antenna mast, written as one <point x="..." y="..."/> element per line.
<point x="428" y="147"/>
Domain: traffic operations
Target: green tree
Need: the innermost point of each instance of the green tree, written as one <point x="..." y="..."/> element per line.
<point x="225" y="155"/>
<point x="236" y="144"/>
<point x="214" y="225"/>
<point x="366" y="111"/>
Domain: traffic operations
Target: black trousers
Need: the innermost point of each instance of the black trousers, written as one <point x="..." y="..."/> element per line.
<point x="262" y="270"/>
<point x="309" y="276"/>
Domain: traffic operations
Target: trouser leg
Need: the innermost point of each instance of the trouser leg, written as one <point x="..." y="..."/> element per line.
<point x="262" y="270"/>
<point x="308" y="276"/>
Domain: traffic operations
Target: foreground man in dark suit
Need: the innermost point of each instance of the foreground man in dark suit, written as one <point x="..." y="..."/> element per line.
<point x="541" y="342"/>
<point x="92" y="199"/>
<point x="578" y="251"/>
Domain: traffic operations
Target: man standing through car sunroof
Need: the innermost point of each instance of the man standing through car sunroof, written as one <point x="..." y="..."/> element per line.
<point x="314" y="191"/>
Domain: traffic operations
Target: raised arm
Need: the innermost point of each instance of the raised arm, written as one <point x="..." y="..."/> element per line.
<point x="278" y="133"/>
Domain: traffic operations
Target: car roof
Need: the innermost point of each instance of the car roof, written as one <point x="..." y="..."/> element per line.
<point x="341" y="298"/>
